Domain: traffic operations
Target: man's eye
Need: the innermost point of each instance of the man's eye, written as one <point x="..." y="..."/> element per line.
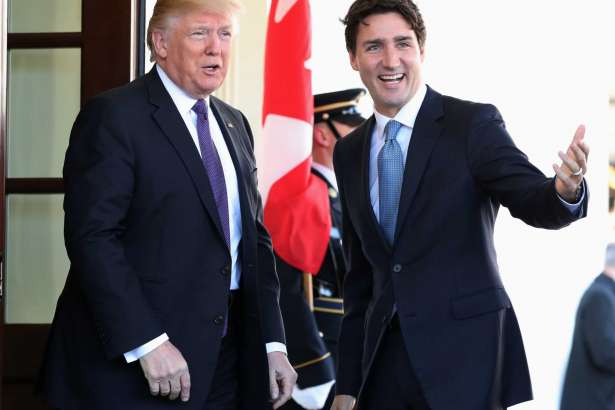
<point x="198" y="34"/>
<point x="373" y="47"/>
<point x="226" y="34"/>
<point x="404" y="44"/>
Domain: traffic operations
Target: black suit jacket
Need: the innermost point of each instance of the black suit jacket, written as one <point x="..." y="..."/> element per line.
<point x="148" y="255"/>
<point x="458" y="324"/>
<point x="590" y="378"/>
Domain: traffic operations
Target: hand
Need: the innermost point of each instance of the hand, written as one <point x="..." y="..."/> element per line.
<point x="574" y="165"/>
<point x="282" y="378"/>
<point x="166" y="372"/>
<point x="343" y="402"/>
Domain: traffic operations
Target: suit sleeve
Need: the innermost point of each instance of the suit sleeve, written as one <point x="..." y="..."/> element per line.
<point x="99" y="179"/>
<point x="273" y="327"/>
<point x="357" y="294"/>
<point x="598" y="329"/>
<point x="505" y="173"/>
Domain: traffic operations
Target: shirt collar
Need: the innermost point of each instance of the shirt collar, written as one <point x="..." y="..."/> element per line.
<point x="406" y="116"/>
<point x="327" y="173"/>
<point x="182" y="100"/>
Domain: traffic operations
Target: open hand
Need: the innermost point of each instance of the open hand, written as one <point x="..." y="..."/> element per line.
<point x="569" y="175"/>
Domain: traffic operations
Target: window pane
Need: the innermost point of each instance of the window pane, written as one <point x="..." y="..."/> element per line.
<point x="36" y="261"/>
<point x="40" y="16"/>
<point x="44" y="99"/>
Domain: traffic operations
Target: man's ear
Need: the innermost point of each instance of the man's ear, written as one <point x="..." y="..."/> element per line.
<point x="320" y="136"/>
<point x="159" y="40"/>
<point x="353" y="60"/>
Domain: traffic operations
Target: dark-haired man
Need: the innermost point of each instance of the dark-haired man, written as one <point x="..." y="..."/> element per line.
<point x="421" y="183"/>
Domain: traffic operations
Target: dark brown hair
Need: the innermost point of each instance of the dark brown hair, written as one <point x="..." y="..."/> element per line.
<point x="361" y="9"/>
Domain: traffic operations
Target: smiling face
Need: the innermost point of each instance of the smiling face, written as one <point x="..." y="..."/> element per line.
<point x="389" y="60"/>
<point x="194" y="51"/>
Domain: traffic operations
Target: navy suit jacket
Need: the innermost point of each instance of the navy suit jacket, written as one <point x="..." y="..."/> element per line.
<point x="148" y="255"/>
<point x="457" y="321"/>
<point x="590" y="378"/>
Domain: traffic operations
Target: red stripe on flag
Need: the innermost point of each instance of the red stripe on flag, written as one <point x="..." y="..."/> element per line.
<point x="298" y="218"/>
<point x="288" y="84"/>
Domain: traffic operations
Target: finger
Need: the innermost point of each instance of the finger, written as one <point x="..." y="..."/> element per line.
<point x="165" y="387"/>
<point x="283" y="396"/>
<point x="585" y="148"/>
<point x="175" y="388"/>
<point x="185" y="386"/>
<point x="154" y="387"/>
<point x="273" y="385"/>
<point x="286" y="388"/>
<point x="579" y="134"/>
<point x="569" y="162"/>
<point x="580" y="157"/>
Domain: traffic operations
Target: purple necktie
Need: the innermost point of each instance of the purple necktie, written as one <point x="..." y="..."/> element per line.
<point x="213" y="166"/>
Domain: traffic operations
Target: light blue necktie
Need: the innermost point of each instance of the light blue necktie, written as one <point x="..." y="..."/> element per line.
<point x="390" y="177"/>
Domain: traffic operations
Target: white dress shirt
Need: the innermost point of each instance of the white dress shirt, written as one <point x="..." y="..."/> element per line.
<point x="406" y="117"/>
<point x="184" y="103"/>
<point x="326" y="172"/>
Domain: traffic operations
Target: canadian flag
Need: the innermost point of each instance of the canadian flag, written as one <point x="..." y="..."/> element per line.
<point x="296" y="203"/>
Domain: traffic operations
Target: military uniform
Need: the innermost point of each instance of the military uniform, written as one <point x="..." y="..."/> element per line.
<point x="311" y="337"/>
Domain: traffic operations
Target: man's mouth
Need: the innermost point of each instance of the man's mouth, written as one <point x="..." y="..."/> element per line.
<point x="212" y="68"/>
<point x="391" y="78"/>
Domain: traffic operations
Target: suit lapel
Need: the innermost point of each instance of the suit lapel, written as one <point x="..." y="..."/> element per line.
<point x="424" y="135"/>
<point x="172" y="125"/>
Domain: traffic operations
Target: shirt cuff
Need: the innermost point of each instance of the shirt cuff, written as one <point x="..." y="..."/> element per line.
<point x="276" y="347"/>
<point x="141" y="351"/>
<point x="574" y="208"/>
<point x="313" y="397"/>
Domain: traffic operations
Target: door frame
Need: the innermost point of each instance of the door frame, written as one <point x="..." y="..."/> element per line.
<point x="108" y="59"/>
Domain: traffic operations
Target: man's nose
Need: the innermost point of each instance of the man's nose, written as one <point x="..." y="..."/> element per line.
<point x="391" y="57"/>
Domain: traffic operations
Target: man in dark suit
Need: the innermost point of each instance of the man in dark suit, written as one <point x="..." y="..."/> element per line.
<point x="427" y="322"/>
<point x="590" y="377"/>
<point x="312" y="336"/>
<point x="172" y="289"/>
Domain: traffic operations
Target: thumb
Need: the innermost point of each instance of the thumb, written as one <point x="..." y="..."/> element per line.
<point x="273" y="385"/>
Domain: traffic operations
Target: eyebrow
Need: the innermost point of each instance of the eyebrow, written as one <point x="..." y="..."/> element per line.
<point x="403" y="38"/>
<point x="228" y="27"/>
<point x="374" y="41"/>
<point x="396" y="39"/>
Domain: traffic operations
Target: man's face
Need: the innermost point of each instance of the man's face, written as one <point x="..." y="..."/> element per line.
<point x="194" y="51"/>
<point x="389" y="60"/>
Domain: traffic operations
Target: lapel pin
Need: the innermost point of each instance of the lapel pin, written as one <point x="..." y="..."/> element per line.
<point x="230" y="125"/>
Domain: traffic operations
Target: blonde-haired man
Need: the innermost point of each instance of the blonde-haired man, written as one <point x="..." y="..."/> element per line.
<point x="171" y="267"/>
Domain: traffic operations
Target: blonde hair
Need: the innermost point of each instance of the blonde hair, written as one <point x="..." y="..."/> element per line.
<point x="167" y="10"/>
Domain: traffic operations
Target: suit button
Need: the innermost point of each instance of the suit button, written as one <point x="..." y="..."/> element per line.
<point x="225" y="271"/>
<point x="397" y="268"/>
<point x="218" y="320"/>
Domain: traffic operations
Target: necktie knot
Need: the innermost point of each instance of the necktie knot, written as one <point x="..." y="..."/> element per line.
<point x="200" y="108"/>
<point x="390" y="130"/>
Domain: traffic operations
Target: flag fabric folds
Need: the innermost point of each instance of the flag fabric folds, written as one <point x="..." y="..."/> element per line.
<point x="296" y="214"/>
